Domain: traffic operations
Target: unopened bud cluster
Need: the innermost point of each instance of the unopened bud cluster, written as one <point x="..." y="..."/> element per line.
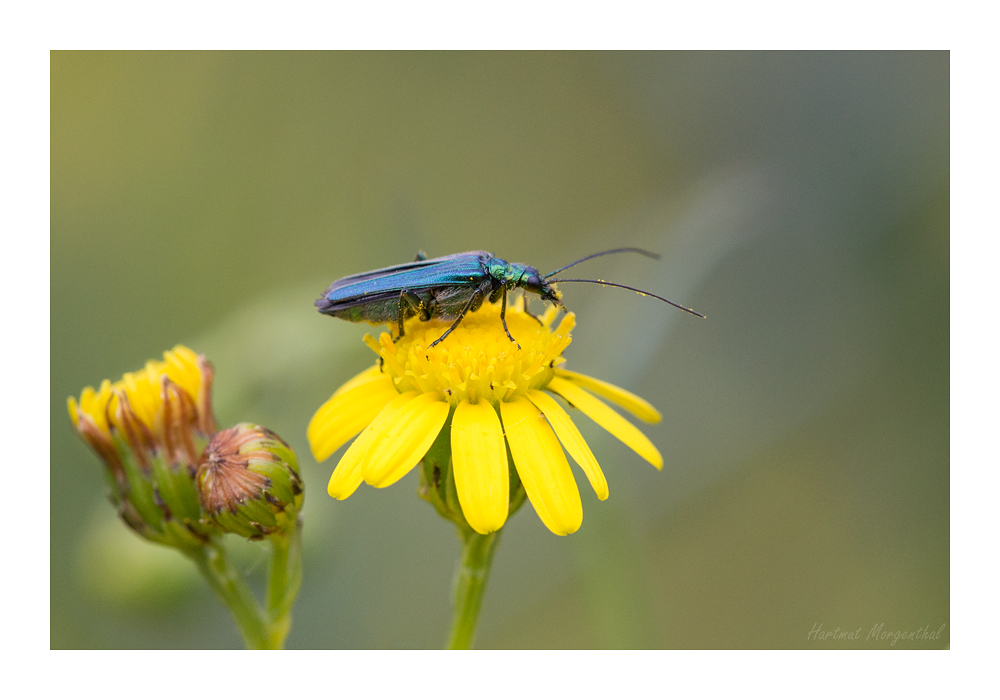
<point x="173" y="478"/>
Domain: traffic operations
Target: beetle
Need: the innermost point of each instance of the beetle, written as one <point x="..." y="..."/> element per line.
<point x="449" y="287"/>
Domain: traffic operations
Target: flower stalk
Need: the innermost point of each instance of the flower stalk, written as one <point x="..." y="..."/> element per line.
<point x="437" y="486"/>
<point x="231" y="588"/>
<point x="283" y="582"/>
<point x="262" y="627"/>
<point x="471" y="578"/>
<point x="178" y="481"/>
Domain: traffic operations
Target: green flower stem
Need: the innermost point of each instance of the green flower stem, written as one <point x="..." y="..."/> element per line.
<point x="283" y="583"/>
<point x="470" y="584"/>
<point x="262" y="628"/>
<point x="234" y="592"/>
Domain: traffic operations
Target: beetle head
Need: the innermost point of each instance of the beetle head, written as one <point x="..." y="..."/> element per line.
<point x="533" y="282"/>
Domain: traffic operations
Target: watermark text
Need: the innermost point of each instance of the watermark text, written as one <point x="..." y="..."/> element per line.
<point x="878" y="633"/>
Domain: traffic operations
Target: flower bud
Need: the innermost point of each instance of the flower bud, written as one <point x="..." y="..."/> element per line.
<point x="148" y="428"/>
<point x="248" y="481"/>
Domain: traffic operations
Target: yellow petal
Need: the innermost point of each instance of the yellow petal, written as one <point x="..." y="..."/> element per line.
<point x="344" y="415"/>
<point x="347" y="476"/>
<point x="73" y="411"/>
<point x="181" y="365"/>
<point x="636" y="405"/>
<point x="607" y="418"/>
<point x="96" y="404"/>
<point x="571" y="439"/>
<point x="140" y="398"/>
<point x="542" y="466"/>
<point x="404" y="440"/>
<point x="479" y="458"/>
<point x="373" y="373"/>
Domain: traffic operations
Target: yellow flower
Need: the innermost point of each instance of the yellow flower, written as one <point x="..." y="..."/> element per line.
<point x="158" y="405"/>
<point x="497" y="396"/>
<point x="149" y="428"/>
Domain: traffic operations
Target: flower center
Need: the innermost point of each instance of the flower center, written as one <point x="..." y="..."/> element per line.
<point x="477" y="360"/>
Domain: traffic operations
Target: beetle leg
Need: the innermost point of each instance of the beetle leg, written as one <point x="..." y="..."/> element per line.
<point x="428" y="307"/>
<point x="503" y="315"/>
<point x="525" y="298"/>
<point x="476" y="300"/>
<point x="421" y="256"/>
<point x="412" y="301"/>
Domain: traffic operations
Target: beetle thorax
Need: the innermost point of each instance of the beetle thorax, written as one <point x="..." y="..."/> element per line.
<point x="503" y="271"/>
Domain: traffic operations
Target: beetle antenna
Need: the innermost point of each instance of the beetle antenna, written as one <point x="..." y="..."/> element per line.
<point x="644" y="293"/>
<point x="640" y="251"/>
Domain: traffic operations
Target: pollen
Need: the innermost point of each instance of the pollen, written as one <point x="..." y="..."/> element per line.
<point x="477" y="360"/>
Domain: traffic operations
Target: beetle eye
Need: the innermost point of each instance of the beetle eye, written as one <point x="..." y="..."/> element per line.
<point x="533" y="284"/>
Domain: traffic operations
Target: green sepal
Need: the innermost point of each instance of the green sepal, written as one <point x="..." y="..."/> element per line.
<point x="238" y="525"/>
<point x="280" y="484"/>
<point x="259" y="512"/>
<point x="181" y="536"/>
<point x="140" y="493"/>
<point x="160" y="502"/>
<point x="451" y="496"/>
<point x="517" y="493"/>
<point x="285" y="454"/>
<point x="434" y="469"/>
<point x="176" y="488"/>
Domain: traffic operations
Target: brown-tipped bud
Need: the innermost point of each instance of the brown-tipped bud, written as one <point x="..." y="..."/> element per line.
<point x="180" y="419"/>
<point x="248" y="481"/>
<point x="140" y="440"/>
<point x="206" y="419"/>
<point x="99" y="440"/>
<point x="149" y="430"/>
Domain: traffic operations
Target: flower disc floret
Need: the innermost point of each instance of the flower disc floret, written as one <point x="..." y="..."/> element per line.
<point x="477" y="360"/>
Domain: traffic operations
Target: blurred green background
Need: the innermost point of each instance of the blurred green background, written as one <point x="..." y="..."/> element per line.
<point x="800" y="200"/>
